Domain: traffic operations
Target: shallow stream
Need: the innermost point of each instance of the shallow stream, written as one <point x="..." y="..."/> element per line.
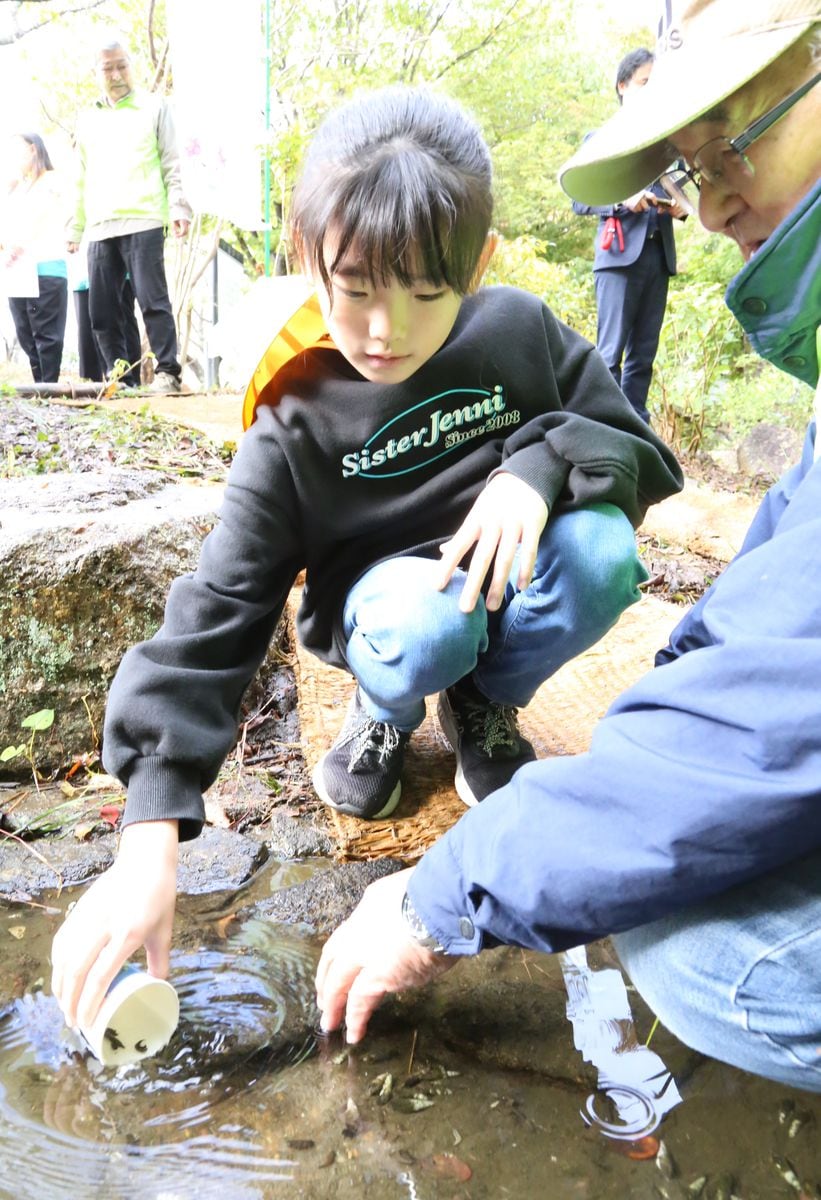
<point x="509" y="1078"/>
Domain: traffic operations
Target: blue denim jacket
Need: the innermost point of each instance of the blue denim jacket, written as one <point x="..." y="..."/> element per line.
<point x="707" y="772"/>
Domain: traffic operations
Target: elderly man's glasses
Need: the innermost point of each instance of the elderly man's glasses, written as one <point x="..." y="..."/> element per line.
<point x="722" y="161"/>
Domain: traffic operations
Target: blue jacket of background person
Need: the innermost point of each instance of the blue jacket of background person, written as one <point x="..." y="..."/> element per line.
<point x="635" y="228"/>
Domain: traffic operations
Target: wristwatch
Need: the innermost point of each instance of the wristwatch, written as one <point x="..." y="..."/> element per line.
<point x="417" y="928"/>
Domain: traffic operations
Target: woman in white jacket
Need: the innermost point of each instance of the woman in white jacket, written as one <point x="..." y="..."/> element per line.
<point x="32" y="252"/>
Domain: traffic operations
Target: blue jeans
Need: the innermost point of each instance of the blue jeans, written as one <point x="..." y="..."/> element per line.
<point x="406" y="640"/>
<point x="739" y="977"/>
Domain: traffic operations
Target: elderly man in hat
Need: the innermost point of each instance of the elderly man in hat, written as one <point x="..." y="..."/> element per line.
<point x="694" y="821"/>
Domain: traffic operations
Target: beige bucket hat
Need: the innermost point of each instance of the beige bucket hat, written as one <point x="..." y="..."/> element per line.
<point x="706" y="50"/>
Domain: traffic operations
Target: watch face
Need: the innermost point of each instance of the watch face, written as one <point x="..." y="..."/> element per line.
<point x="416" y="927"/>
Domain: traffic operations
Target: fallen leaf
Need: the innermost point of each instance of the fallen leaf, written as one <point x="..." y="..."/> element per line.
<point x="412" y="1104"/>
<point x="641" y="1149"/>
<point x="103" y="783"/>
<point x="18" y="931"/>
<point x="223" y="923"/>
<point x="111" y="813"/>
<point x="448" y="1166"/>
<point x="215" y="815"/>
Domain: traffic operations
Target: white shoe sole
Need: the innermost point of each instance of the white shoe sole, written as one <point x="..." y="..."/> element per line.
<point x="321" y="790"/>
<point x="447" y="724"/>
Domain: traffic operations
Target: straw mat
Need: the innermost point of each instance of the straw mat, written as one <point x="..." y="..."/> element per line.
<point x="559" y="720"/>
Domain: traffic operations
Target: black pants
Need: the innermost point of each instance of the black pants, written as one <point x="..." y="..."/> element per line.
<point x="139" y="255"/>
<point x="40" y="323"/>
<point x="91" y="362"/>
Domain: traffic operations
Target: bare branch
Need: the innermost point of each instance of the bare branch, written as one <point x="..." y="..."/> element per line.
<point x="485" y="41"/>
<point x="151" y="46"/>
<point x="17" y="32"/>
<point x="160" y="71"/>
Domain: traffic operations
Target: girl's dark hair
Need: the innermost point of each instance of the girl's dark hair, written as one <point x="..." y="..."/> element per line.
<point x="41" y="155"/>
<point x="402" y="179"/>
<point x="630" y="64"/>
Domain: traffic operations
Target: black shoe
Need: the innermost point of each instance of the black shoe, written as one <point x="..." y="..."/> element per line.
<point x="486" y="739"/>
<point x="360" y="773"/>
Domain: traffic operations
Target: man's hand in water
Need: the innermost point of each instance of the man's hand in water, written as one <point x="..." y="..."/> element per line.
<point x="371" y="955"/>
<point x="130" y="906"/>
<point x="508" y="515"/>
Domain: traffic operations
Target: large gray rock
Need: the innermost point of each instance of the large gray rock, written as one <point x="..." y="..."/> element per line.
<point x="85" y="565"/>
<point x="45" y="865"/>
<point x="768" y="450"/>
<point x="219" y="860"/>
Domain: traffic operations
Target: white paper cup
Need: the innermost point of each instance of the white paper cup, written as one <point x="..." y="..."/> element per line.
<point x="137" y="1018"/>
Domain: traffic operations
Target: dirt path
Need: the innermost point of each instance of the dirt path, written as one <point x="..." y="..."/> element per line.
<point x="702" y="520"/>
<point x="216" y="414"/>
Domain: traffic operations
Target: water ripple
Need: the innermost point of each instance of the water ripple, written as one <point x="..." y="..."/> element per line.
<point x="246" y="1017"/>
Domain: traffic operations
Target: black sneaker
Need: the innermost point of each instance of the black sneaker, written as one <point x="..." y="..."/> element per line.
<point x="486" y="739"/>
<point x="360" y="773"/>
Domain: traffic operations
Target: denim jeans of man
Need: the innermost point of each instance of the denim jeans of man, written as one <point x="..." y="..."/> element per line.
<point x="739" y="977"/>
<point x="406" y="640"/>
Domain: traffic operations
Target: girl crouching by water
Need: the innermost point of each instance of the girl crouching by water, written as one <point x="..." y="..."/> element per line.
<point x="458" y="475"/>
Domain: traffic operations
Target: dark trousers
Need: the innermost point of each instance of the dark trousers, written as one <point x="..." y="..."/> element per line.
<point x="91" y="363"/>
<point x="40" y="323"/>
<point x="630" y="303"/>
<point x="139" y="255"/>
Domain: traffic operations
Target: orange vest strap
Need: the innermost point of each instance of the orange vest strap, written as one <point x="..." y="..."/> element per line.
<point x="303" y="330"/>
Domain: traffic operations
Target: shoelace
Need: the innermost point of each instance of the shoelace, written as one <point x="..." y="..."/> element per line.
<point x="493" y="725"/>
<point x="372" y="735"/>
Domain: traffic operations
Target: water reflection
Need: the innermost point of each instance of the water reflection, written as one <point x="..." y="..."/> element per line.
<point x="246" y="1018"/>
<point x="635" y="1087"/>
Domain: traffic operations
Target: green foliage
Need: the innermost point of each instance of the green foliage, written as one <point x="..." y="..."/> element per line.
<point x="699" y="343"/>
<point x="567" y="288"/>
<point x="707" y="384"/>
<point x="37" y="722"/>
<point x="538" y="75"/>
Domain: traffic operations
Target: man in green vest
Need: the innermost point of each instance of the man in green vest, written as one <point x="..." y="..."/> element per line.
<point x="128" y="194"/>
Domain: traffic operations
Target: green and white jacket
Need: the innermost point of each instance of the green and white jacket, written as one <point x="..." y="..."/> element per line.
<point x="128" y="177"/>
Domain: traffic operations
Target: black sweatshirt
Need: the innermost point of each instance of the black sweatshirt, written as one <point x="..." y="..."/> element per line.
<point x="342" y="474"/>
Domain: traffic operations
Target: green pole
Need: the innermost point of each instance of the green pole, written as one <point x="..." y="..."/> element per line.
<point x="266" y="171"/>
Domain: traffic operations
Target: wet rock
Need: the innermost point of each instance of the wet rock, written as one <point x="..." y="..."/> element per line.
<point x="297" y="837"/>
<point x="768" y="450"/>
<point x="85" y="564"/>
<point x="47" y="864"/>
<point x="219" y="860"/>
<point x="328" y="897"/>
